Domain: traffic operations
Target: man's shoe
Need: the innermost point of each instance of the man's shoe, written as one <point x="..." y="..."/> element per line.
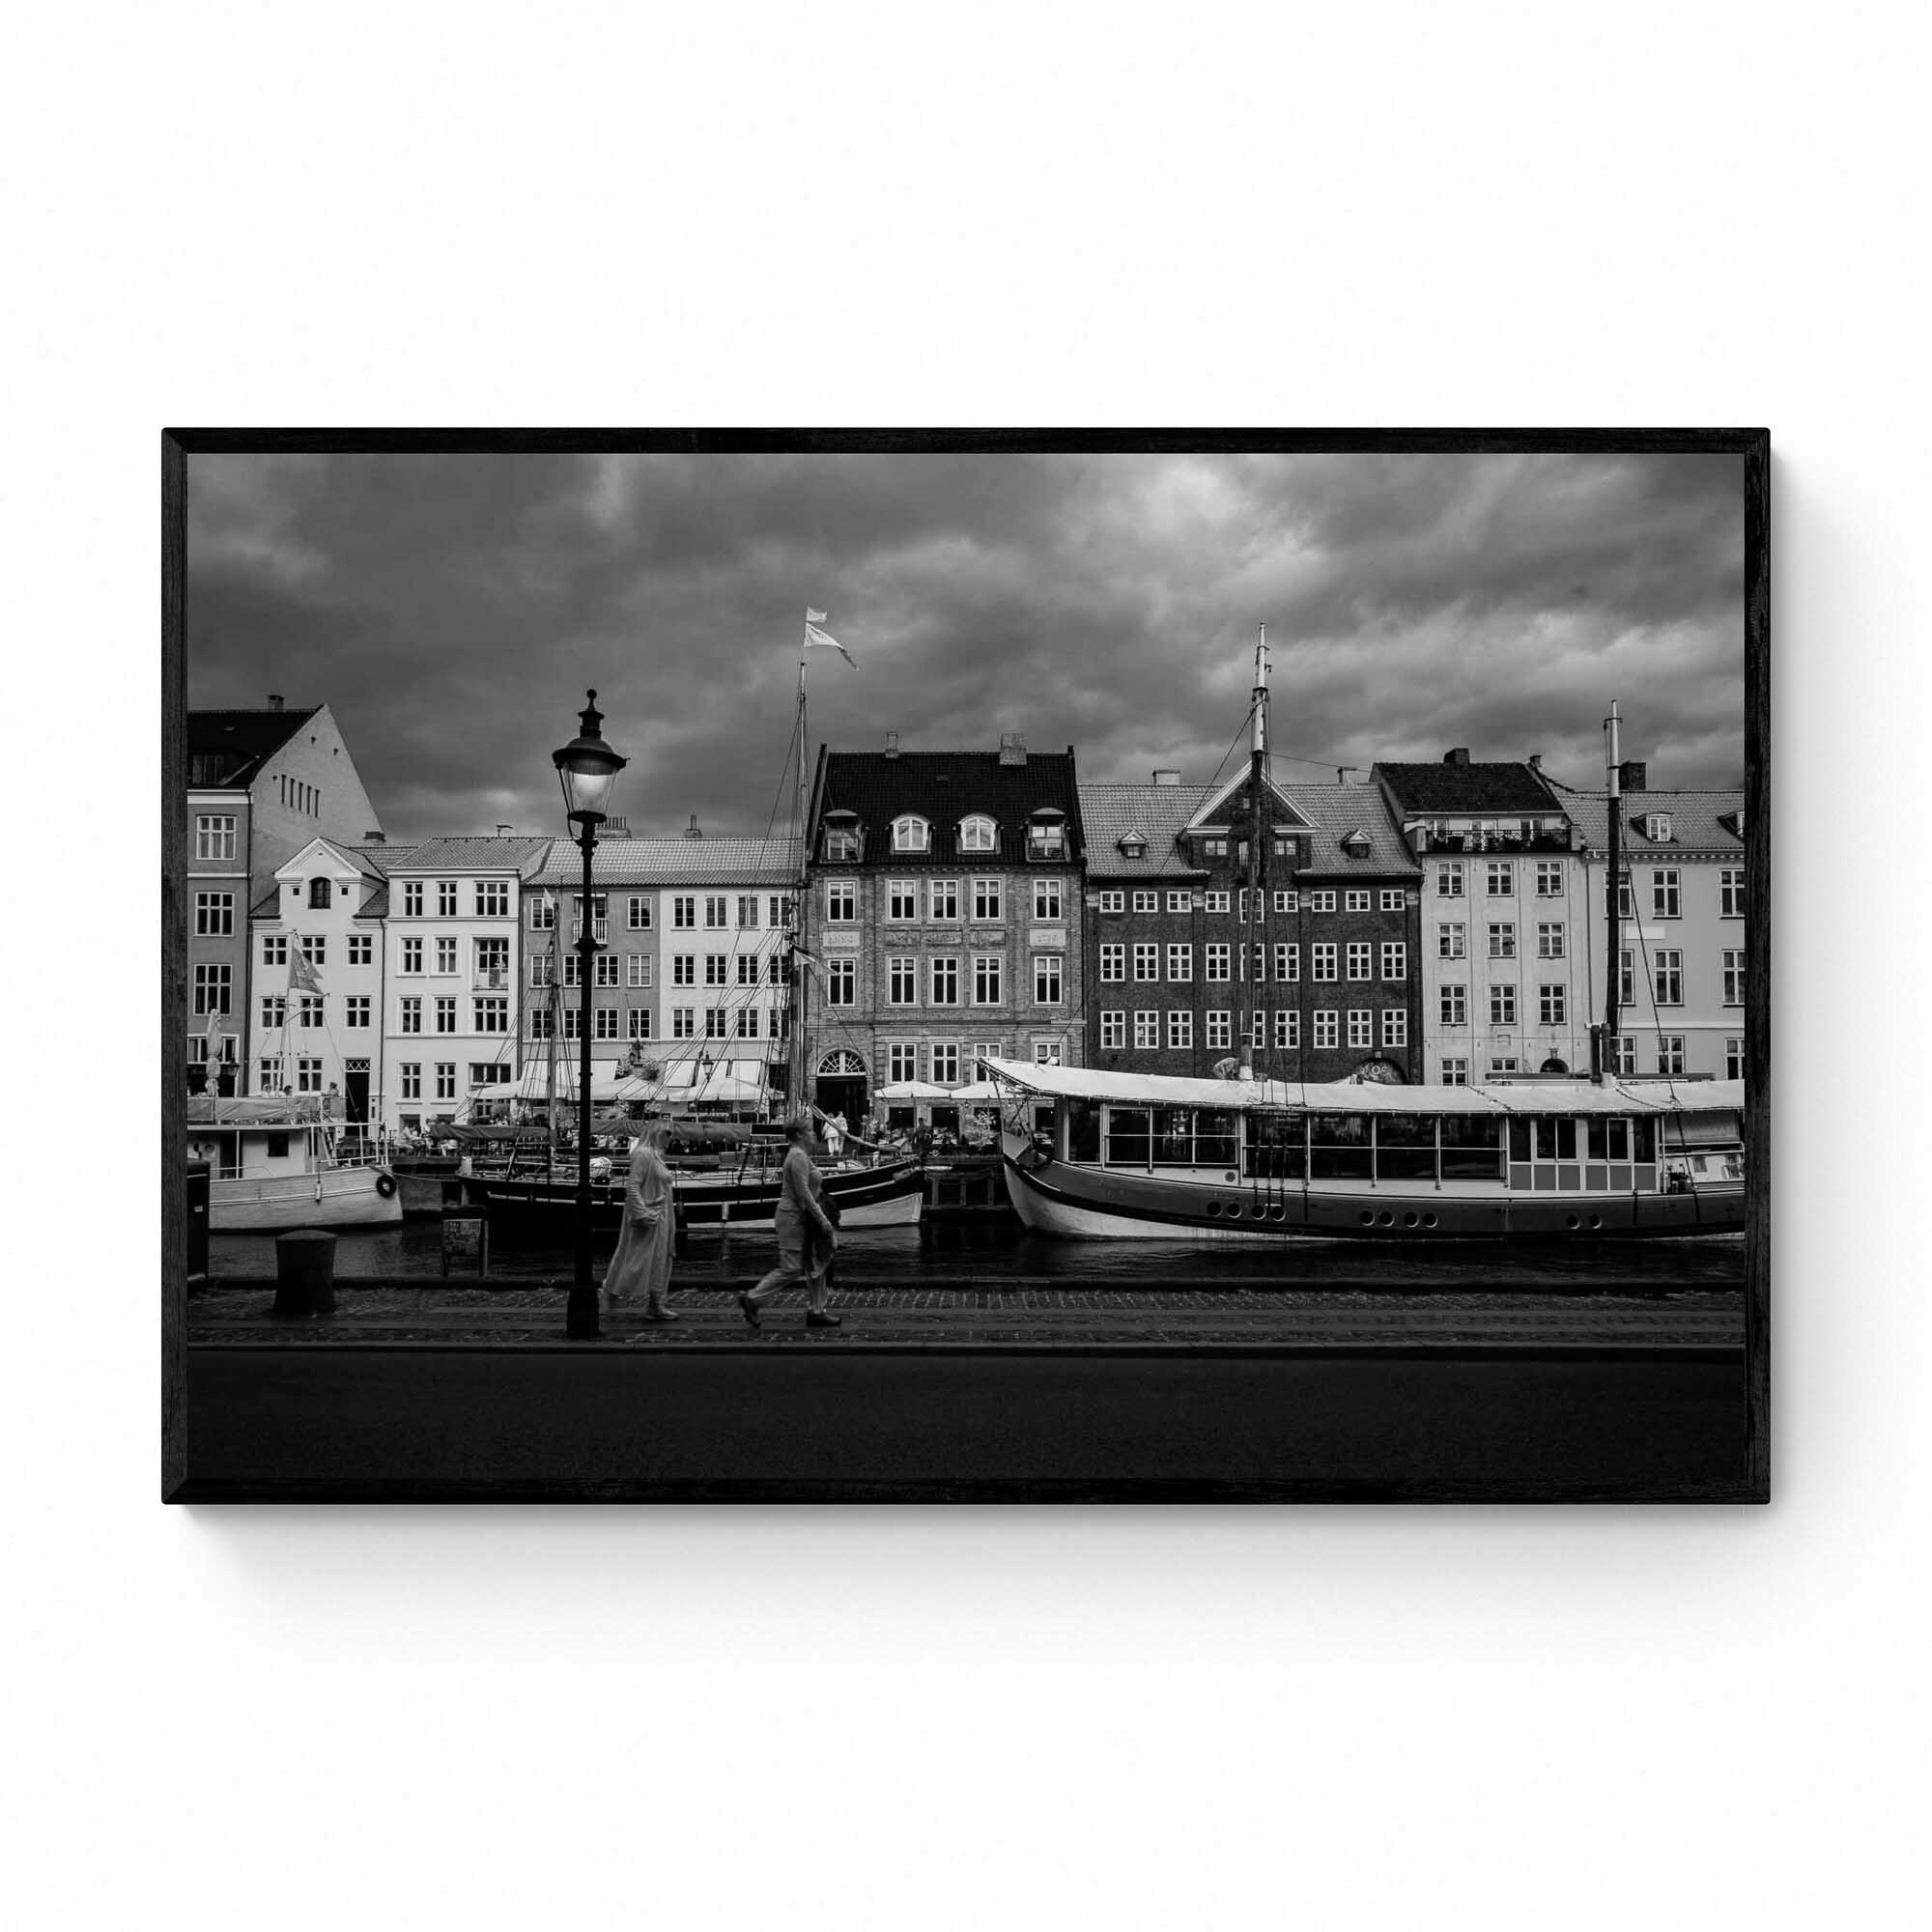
<point x="819" y="1317"/>
<point x="750" y="1308"/>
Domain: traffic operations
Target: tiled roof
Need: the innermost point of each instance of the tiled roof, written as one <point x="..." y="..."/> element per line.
<point x="673" y="862"/>
<point x="230" y="745"/>
<point x="521" y="853"/>
<point x="945" y="787"/>
<point x="1695" y="819"/>
<point x="1152" y="811"/>
<point x="1475" y="787"/>
<point x="1335" y="811"/>
<point x="375" y="860"/>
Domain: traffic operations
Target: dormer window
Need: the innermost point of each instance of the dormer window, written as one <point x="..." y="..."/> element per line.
<point x="840" y="842"/>
<point x="1656" y="827"/>
<point x="1357" y="844"/>
<point x="911" y="834"/>
<point x="1133" y="845"/>
<point x="979" y="834"/>
<point x="1046" y="834"/>
<point x="319" y="895"/>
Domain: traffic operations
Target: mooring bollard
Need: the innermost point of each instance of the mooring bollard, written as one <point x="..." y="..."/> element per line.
<point x="304" y="1274"/>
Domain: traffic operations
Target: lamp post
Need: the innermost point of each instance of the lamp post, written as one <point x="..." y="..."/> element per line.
<point x="587" y="768"/>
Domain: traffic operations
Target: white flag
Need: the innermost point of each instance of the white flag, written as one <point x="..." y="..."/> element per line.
<point x="815" y="636"/>
<point x="813" y="616"/>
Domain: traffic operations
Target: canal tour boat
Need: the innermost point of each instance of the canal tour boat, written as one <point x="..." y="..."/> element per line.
<point x="1151" y="1157"/>
<point x="282" y="1163"/>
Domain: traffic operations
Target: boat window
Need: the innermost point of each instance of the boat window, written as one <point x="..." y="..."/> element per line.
<point x="1127" y="1137"/>
<point x="1340" y="1146"/>
<point x="1643" y="1140"/>
<point x="1472" y="1147"/>
<point x="1083" y="1130"/>
<point x="1545" y="1137"/>
<point x="1609" y="1139"/>
<point x="278" y="1147"/>
<point x="1405" y="1146"/>
<point x="1277" y="1146"/>
<point x="1174" y="1137"/>
<point x="1214" y="1140"/>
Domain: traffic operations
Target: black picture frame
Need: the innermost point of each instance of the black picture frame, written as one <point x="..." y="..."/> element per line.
<point x="181" y="1482"/>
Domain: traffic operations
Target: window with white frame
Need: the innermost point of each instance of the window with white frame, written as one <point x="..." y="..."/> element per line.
<point x="1449" y="880"/>
<point x="1669" y="977"/>
<point x="1146" y="901"/>
<point x="1355" y="901"/>
<point x="493" y="898"/>
<point x="1395" y="1026"/>
<point x="1502" y="1005"/>
<point x="1502" y="1066"/>
<point x="1284" y="901"/>
<point x="356" y="1010"/>
<point x="1550" y="879"/>
<point x="490" y="1015"/>
<point x="1453" y="1006"/>
<point x="310" y="1011"/>
<point x="1257" y="970"/>
<point x="717" y="1023"/>
<point x="979" y="834"/>
<point x="987" y="990"/>
<point x="1180" y="901"/>
<point x="638" y="915"/>
<point x="1501" y="881"/>
<point x="1046" y="1053"/>
<point x="902" y="980"/>
<point x="1322" y="901"/>
<point x="1215" y="902"/>
<point x="410" y="1014"/>
<point x="1626" y="900"/>
<point x="445" y="1015"/>
<point x="1046" y="839"/>
<point x="1665" y="894"/>
<point x="275" y="949"/>
<point x="1219" y="1030"/>
<point x="901" y="1061"/>
<point x="1147" y="1027"/>
<point x="637" y="1023"/>
<point x="943" y="980"/>
<point x="488" y="1073"/>
<point x="748" y="1022"/>
<point x="1734" y="1060"/>
<point x="911" y="834"/>
<point x="1450" y="941"/>
<point x="274" y="1012"/>
<point x="945" y="1057"/>
<point x="1731" y="891"/>
<point x="1395" y="959"/>
<point x="1361" y="1026"/>
<point x="1552" y="1006"/>
<point x="1734" y="979"/>
<point x="361" y="948"/>
<point x="1113" y="1030"/>
<point x="638" y="969"/>
<point x="1147" y="961"/>
<point x="1551" y="943"/>
<point x="1393" y="899"/>
<point x="842" y="902"/>
<point x="684" y="1022"/>
<point x="543" y="908"/>
<point x="446" y="898"/>
<point x="1502" y="939"/>
<point x="213" y="835"/>
<point x="215" y="914"/>
<point x="1046" y="979"/>
<point x="841" y="844"/>
<point x="308" y="1076"/>
<point x="1670" y="1053"/>
<point x="541" y="1023"/>
<point x="717" y="969"/>
<point x="315" y="947"/>
<point x="445" y="1079"/>
<point x="1327" y="1027"/>
<point x="1180" y="1029"/>
<point x="684" y="912"/>
<point x="1455" y="1071"/>
<point x="1287" y="961"/>
<point x="213" y="988"/>
<point x="1180" y="961"/>
<point x="748" y="911"/>
<point x="607" y="1022"/>
<point x="1046" y="899"/>
<point x="1626" y="978"/>
<point x="747" y="969"/>
<point x="1113" y="961"/>
<point x="1215" y="848"/>
<point x="1217" y="960"/>
<point x="1112" y="901"/>
<point x="942" y="900"/>
<point x="901" y="900"/>
<point x="716" y="909"/>
<point x="841" y="980"/>
<point x="1323" y="960"/>
<point x="445" y="955"/>
<point x="1287" y="1029"/>
<point x="1361" y="959"/>
<point x="412" y="1079"/>
<point x="683" y="970"/>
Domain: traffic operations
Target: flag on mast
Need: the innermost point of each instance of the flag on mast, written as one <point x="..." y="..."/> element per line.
<point x="301" y="975"/>
<point x="815" y="636"/>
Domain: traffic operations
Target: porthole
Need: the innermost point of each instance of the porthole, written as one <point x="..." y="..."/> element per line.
<point x="1234" y="1210"/>
<point x="1386" y="1219"/>
<point x="1279" y="1212"/>
<point x="1429" y="1220"/>
<point x="1230" y="1176"/>
<point x="1595" y="1220"/>
<point x="1573" y="1220"/>
<point x="1368" y="1217"/>
<point x="1411" y="1219"/>
<point x="1213" y="1210"/>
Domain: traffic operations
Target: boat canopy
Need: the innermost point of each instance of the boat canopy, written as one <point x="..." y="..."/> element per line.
<point x="206" y="1110"/>
<point x="1371" y="1097"/>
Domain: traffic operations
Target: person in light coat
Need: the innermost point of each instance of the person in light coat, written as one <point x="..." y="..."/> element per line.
<point x="807" y="1241"/>
<point x="640" y="1269"/>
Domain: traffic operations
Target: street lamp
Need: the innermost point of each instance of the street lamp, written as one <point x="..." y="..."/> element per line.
<point x="587" y="768"/>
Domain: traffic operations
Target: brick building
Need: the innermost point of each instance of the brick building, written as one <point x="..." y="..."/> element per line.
<point x="943" y="905"/>
<point x="1184" y="974"/>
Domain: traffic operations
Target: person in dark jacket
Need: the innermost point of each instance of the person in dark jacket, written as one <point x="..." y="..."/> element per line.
<point x="806" y="1237"/>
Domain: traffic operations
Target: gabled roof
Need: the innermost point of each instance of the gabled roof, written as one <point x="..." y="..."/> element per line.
<point x="378" y="858"/>
<point x="1155" y="812"/>
<point x="1334" y="811"/>
<point x="672" y="861"/>
<point x="1480" y="788"/>
<point x="351" y="856"/>
<point x="945" y="787"/>
<point x="1160" y="813"/>
<point x="226" y="749"/>
<point x="521" y="853"/>
<point x="1207" y="812"/>
<point x="1695" y="819"/>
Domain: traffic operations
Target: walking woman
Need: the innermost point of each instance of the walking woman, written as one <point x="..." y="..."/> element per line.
<point x="640" y="1269"/>
<point x="807" y="1241"/>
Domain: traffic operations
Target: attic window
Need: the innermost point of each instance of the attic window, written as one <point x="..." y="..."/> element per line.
<point x="1357" y="844"/>
<point x="979" y="834"/>
<point x="319" y="894"/>
<point x="1656" y="827"/>
<point x="911" y="834"/>
<point x="1133" y="845"/>
<point x="1046" y="835"/>
<point x="841" y="835"/>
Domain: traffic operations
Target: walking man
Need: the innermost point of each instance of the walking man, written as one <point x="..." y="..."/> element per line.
<point x="807" y="1239"/>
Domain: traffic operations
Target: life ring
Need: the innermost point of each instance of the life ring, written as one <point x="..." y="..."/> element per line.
<point x="385" y="1186"/>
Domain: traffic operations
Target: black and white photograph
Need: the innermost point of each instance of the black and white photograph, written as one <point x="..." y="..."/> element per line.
<point x="949" y="966"/>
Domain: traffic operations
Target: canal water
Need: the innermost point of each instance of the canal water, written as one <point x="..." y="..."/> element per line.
<point x="1000" y="1251"/>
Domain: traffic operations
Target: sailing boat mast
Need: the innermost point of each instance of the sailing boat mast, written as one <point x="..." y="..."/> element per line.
<point x="1252" y="1035"/>
<point x="796" y="1060"/>
<point x="1613" y="891"/>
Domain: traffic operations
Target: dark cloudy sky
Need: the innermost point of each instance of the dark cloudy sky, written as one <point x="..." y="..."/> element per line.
<point x="451" y="610"/>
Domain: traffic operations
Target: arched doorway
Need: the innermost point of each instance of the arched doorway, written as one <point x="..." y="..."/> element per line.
<point x="1383" y="1072"/>
<point x="842" y="1087"/>
<point x="1554" y="1065"/>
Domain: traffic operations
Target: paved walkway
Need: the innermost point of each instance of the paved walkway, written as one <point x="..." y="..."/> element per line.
<point x="1029" y="1317"/>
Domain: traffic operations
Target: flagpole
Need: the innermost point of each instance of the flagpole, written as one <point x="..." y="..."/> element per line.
<point x="796" y="1098"/>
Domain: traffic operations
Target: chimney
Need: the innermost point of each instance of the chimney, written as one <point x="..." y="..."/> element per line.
<point x="1161" y="777"/>
<point x="691" y="831"/>
<point x="1459" y="756"/>
<point x="503" y="831"/>
<point x="1012" y="748"/>
<point x="616" y="826"/>
<point x="1631" y="774"/>
<point x="274" y="700"/>
<point x="1535" y="761"/>
<point x="375" y="838"/>
<point x="892" y="744"/>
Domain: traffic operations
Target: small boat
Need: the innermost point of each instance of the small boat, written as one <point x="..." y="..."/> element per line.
<point x="282" y="1163"/>
<point x="1145" y="1156"/>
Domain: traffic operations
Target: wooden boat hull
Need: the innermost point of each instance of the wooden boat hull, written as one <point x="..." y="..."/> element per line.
<point x="1054" y="1197"/>
<point x="888" y="1196"/>
<point x="348" y="1197"/>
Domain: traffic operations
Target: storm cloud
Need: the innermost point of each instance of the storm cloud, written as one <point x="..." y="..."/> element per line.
<point x="451" y="610"/>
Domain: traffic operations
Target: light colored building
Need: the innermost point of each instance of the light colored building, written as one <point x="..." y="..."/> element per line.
<point x="326" y="906"/>
<point x="1510" y="983"/>
<point x="261" y="784"/>
<point x="1681" y="946"/>
<point x="692" y="983"/>
<point x="453" y="978"/>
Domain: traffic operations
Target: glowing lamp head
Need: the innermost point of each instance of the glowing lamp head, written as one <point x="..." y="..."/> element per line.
<point x="587" y="767"/>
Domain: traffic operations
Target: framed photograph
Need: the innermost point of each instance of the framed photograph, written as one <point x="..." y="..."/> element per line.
<point x="965" y="966"/>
